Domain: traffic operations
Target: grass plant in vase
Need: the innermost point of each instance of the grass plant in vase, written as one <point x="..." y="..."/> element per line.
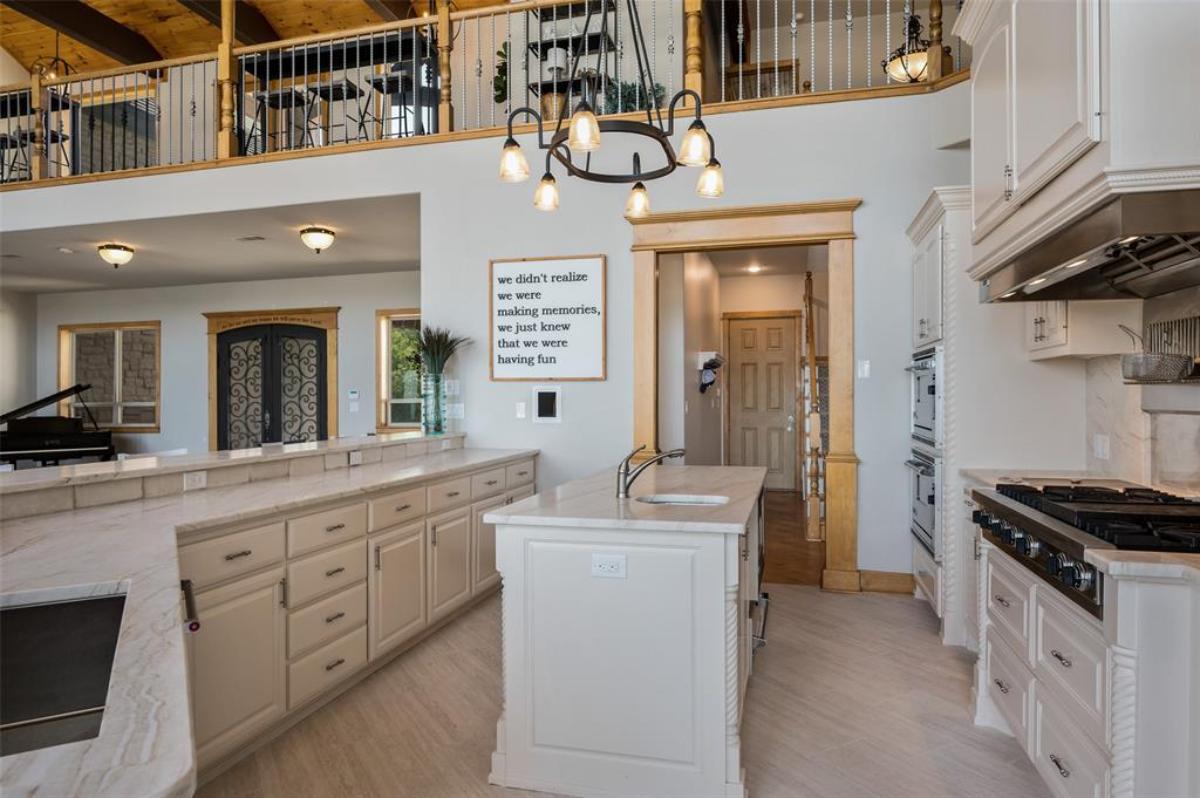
<point x="438" y="345"/>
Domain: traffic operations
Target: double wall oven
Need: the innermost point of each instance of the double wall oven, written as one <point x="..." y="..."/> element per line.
<point x="925" y="462"/>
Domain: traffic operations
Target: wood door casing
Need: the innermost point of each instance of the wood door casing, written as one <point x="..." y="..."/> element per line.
<point x="762" y="397"/>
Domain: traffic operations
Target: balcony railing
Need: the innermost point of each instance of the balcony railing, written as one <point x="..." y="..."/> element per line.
<point x="433" y="77"/>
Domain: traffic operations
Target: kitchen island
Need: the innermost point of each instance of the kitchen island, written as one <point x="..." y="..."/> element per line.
<point x="628" y="630"/>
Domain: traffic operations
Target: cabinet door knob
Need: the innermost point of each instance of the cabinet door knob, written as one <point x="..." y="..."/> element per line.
<point x="1001" y="600"/>
<point x="1001" y="685"/>
<point x="1062" y="767"/>
<point x="1062" y="660"/>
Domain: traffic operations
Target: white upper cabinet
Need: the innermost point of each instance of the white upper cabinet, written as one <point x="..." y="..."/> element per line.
<point x="1055" y="89"/>
<point x="927" y="289"/>
<point x="991" y="130"/>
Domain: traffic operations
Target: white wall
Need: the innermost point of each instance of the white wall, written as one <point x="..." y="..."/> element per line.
<point x="803" y="153"/>
<point x="185" y="341"/>
<point x="11" y="70"/>
<point x="18" y="365"/>
<point x="779" y="292"/>
<point x="671" y="429"/>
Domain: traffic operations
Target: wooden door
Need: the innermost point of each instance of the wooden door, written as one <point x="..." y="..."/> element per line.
<point x="762" y="397"/>
<point x="991" y="137"/>
<point x="483" y="548"/>
<point x="396" y="588"/>
<point x="237" y="663"/>
<point x="449" y="561"/>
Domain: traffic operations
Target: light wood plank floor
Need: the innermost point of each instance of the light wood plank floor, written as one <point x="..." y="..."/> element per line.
<point x="853" y="697"/>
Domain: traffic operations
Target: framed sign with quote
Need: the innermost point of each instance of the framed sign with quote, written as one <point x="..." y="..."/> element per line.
<point x="548" y="318"/>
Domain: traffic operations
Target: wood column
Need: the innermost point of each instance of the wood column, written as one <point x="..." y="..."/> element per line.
<point x="812" y="507"/>
<point x="693" y="65"/>
<point x="841" y="463"/>
<point x="645" y="352"/>
<point x="37" y="147"/>
<point x="445" y="47"/>
<point x="226" y="132"/>
<point x="934" y="68"/>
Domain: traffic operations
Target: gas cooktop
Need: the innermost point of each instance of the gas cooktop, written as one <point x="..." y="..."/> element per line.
<point x="1132" y="518"/>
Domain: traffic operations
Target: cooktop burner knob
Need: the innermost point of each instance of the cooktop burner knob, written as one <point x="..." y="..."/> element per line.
<point x="1055" y="564"/>
<point x="1007" y="533"/>
<point x="1078" y="576"/>
<point x="1028" y="545"/>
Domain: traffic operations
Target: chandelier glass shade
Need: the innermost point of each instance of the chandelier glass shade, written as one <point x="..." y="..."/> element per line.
<point x="572" y="142"/>
<point x="909" y="62"/>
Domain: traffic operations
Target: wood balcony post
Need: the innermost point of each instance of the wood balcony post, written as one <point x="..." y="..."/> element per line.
<point x="934" y="64"/>
<point x="693" y="64"/>
<point x="226" y="133"/>
<point x="37" y="144"/>
<point x="445" y="39"/>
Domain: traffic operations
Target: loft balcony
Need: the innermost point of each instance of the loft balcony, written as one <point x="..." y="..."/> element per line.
<point x="443" y="74"/>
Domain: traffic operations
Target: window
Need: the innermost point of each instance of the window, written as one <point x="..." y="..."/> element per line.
<point x="398" y="375"/>
<point x="121" y="363"/>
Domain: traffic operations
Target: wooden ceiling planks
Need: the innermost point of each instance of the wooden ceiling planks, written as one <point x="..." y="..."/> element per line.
<point x="307" y="17"/>
<point x="26" y="39"/>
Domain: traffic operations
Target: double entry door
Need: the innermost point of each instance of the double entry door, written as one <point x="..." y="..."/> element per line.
<point x="271" y="385"/>
<point x="762" y="397"/>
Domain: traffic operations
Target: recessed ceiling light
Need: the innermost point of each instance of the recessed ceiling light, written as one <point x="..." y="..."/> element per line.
<point x="115" y="254"/>
<point x="1038" y="281"/>
<point x="1075" y="263"/>
<point x="1129" y="239"/>
<point x="754" y="269"/>
<point x="1008" y="295"/>
<point x="66" y="250"/>
<point x="317" y="238"/>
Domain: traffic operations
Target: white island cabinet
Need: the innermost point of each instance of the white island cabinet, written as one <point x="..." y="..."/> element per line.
<point x="627" y="635"/>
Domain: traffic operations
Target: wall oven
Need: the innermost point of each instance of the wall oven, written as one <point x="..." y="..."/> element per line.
<point x="926" y="397"/>
<point x="924" y="501"/>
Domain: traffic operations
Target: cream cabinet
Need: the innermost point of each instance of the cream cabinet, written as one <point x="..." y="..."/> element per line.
<point x="927" y="288"/>
<point x="237" y="663"/>
<point x="991" y="127"/>
<point x="1080" y="329"/>
<point x="396" y="587"/>
<point x="449" y="565"/>
<point x="483" y="546"/>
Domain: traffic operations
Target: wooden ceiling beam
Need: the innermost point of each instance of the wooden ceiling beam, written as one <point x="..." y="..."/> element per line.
<point x="392" y="10"/>
<point x="79" y="21"/>
<point x="249" y="24"/>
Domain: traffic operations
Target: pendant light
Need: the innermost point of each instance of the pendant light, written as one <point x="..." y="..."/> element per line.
<point x="116" y="255"/>
<point x="545" y="198"/>
<point x="584" y="135"/>
<point x="513" y="166"/>
<point x="317" y="238"/>
<point x="711" y="184"/>
<point x="909" y="62"/>
<point x="638" y="204"/>
<point x="696" y="148"/>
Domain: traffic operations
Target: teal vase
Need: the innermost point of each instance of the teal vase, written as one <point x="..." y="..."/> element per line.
<point x="433" y="404"/>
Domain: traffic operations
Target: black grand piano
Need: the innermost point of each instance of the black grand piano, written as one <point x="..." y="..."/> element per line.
<point x="48" y="440"/>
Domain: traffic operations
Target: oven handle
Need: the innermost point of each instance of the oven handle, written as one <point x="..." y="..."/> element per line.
<point x="921" y="468"/>
<point x="925" y="366"/>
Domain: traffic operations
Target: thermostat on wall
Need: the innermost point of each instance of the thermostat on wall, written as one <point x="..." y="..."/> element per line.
<point x="547" y="405"/>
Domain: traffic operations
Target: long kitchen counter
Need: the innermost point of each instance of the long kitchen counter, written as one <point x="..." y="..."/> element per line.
<point x="145" y="743"/>
<point x="591" y="502"/>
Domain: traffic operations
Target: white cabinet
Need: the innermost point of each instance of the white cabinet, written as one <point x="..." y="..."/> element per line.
<point x="969" y="568"/>
<point x="1045" y="325"/>
<point x="991" y="129"/>
<point x="1055" y="89"/>
<point x="927" y="289"/>
<point x="1080" y="329"/>
<point x="449" y="561"/>
<point x="236" y="663"/>
<point x="396" y="587"/>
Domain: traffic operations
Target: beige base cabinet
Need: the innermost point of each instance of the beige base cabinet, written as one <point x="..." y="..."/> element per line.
<point x="483" y="548"/>
<point x="237" y="663"/>
<point x="396" y="585"/>
<point x="449" y="561"/>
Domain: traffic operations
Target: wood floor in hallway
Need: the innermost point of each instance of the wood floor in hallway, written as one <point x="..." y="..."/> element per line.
<point x="790" y="558"/>
<point x="853" y="697"/>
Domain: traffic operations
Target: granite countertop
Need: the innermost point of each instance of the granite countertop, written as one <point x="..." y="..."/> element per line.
<point x="145" y="743"/>
<point x="152" y="465"/>
<point x="591" y="502"/>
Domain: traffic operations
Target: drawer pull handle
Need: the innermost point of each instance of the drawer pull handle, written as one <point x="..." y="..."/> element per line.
<point x="237" y="555"/>
<point x="1002" y="601"/>
<point x="340" y="615"/>
<point x="335" y="663"/>
<point x="403" y="507"/>
<point x="334" y="571"/>
<point x="1062" y="768"/>
<point x="1062" y="660"/>
<point x="1003" y="687"/>
<point x="334" y="527"/>
<point x="522" y="473"/>
<point x="452" y="494"/>
<point x="491" y="482"/>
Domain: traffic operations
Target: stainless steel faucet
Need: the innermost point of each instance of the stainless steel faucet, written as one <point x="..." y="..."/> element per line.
<point x="625" y="477"/>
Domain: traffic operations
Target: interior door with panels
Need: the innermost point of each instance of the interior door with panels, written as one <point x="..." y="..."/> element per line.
<point x="762" y="397"/>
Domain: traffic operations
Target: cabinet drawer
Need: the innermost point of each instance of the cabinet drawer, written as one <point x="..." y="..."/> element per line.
<point x="231" y="555"/>
<point x="326" y="619"/>
<point x="927" y="576"/>
<point x="1009" y="683"/>
<point x="519" y="474"/>
<point x="1070" y="656"/>
<point x="314" y="674"/>
<point x="450" y="493"/>
<point x="326" y="572"/>
<point x="1071" y="766"/>
<point x="396" y="508"/>
<point x="319" y="530"/>
<point x="487" y="484"/>
<point x="1008" y="601"/>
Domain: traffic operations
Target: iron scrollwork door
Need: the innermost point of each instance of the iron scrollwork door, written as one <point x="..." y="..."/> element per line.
<point x="271" y="385"/>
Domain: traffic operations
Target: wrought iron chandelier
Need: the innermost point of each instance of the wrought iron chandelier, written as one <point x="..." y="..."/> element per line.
<point x="909" y="63"/>
<point x="582" y="135"/>
<point x="50" y="67"/>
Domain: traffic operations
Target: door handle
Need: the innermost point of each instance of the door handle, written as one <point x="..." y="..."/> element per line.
<point x="191" y="622"/>
<point x="791" y="425"/>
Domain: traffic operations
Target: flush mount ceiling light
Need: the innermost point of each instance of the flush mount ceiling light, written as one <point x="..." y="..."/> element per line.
<point x="582" y="134"/>
<point x="116" y="255"/>
<point x="908" y="63"/>
<point x="317" y="238"/>
<point x="755" y="269"/>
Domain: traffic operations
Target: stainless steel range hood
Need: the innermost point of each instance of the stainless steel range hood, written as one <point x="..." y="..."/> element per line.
<point x="1135" y="246"/>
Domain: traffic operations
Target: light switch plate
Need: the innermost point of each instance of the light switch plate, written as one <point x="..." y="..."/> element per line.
<point x="356" y="458"/>
<point x="195" y="480"/>
<point x="453" y="387"/>
<point x="864" y="369"/>
<point x="520" y="410"/>
<point x="608" y="566"/>
<point x="353" y="407"/>
<point x="455" y="410"/>
<point x="1100" y="447"/>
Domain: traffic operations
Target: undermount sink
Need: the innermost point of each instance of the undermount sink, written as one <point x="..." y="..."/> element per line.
<point x="683" y="498"/>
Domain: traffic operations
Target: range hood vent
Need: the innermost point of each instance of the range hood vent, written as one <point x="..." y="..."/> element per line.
<point x="1133" y="247"/>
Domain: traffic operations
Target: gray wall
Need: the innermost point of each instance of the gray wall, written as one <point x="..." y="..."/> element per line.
<point x="18" y="365"/>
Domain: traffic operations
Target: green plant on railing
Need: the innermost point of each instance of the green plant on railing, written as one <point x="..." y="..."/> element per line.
<point x="630" y="96"/>
<point x="500" y="81"/>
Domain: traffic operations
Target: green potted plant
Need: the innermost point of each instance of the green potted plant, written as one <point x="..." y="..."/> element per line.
<point x="438" y="345"/>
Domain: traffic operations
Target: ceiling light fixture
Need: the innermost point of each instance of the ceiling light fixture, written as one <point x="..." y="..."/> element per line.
<point x="317" y="238"/>
<point x="1129" y="239"/>
<point x="116" y="255"/>
<point x="1009" y="295"/>
<point x="573" y="141"/>
<point x="1038" y="281"/>
<point x="1075" y="263"/>
<point x="909" y="62"/>
<point x="755" y="269"/>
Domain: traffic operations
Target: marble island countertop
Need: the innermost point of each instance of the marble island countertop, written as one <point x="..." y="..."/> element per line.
<point x="145" y="743"/>
<point x="591" y="502"/>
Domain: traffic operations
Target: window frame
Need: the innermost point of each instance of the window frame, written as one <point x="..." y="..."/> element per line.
<point x="66" y="372"/>
<point x="383" y="368"/>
